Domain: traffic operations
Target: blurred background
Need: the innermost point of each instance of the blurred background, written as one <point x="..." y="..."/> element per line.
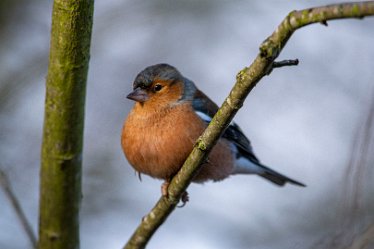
<point x="313" y="122"/>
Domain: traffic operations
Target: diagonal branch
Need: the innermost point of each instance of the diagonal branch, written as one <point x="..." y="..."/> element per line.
<point x="246" y="80"/>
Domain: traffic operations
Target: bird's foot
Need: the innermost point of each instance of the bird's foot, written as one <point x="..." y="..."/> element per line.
<point x="184" y="199"/>
<point x="164" y="188"/>
<point x="164" y="191"/>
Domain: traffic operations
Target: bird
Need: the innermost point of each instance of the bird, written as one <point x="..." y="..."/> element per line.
<point x="169" y="115"/>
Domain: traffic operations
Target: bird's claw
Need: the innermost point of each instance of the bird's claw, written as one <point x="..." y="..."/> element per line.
<point x="184" y="199"/>
<point x="164" y="188"/>
<point x="164" y="191"/>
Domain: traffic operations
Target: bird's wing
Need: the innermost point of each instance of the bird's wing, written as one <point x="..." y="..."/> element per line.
<point x="205" y="108"/>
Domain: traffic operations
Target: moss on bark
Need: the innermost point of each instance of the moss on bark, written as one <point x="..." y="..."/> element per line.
<point x="61" y="157"/>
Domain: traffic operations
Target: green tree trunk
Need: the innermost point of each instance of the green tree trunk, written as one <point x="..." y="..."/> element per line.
<point x="61" y="157"/>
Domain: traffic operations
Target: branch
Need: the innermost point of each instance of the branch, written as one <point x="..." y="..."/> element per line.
<point x="246" y="80"/>
<point x="61" y="157"/>
<point x="284" y="63"/>
<point x="5" y="184"/>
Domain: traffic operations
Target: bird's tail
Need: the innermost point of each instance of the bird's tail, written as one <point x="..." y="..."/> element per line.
<point x="277" y="178"/>
<point x="247" y="165"/>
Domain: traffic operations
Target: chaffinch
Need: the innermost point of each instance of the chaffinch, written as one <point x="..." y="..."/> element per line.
<point x="169" y="114"/>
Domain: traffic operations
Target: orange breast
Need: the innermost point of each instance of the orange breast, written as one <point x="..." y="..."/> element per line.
<point x="157" y="143"/>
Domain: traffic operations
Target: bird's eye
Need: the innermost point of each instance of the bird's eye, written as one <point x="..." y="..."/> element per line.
<point x="157" y="87"/>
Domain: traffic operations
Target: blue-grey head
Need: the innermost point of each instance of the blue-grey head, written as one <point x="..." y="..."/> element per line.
<point x="160" y="82"/>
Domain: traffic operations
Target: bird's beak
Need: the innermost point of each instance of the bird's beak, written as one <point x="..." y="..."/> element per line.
<point x="138" y="95"/>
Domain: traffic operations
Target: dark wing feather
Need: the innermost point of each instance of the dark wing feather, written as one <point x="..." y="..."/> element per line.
<point x="205" y="105"/>
<point x="235" y="134"/>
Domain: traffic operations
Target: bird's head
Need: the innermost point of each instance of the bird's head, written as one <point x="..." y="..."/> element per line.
<point x="158" y="84"/>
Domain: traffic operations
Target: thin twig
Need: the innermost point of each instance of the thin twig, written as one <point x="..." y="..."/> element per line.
<point x="5" y="184"/>
<point x="284" y="63"/>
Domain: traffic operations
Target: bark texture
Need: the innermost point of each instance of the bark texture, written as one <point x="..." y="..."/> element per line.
<point x="61" y="158"/>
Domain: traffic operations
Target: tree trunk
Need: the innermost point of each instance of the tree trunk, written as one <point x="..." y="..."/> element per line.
<point x="61" y="157"/>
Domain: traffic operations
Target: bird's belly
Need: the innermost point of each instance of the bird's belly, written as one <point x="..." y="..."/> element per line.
<point x="156" y="156"/>
<point x="158" y="148"/>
